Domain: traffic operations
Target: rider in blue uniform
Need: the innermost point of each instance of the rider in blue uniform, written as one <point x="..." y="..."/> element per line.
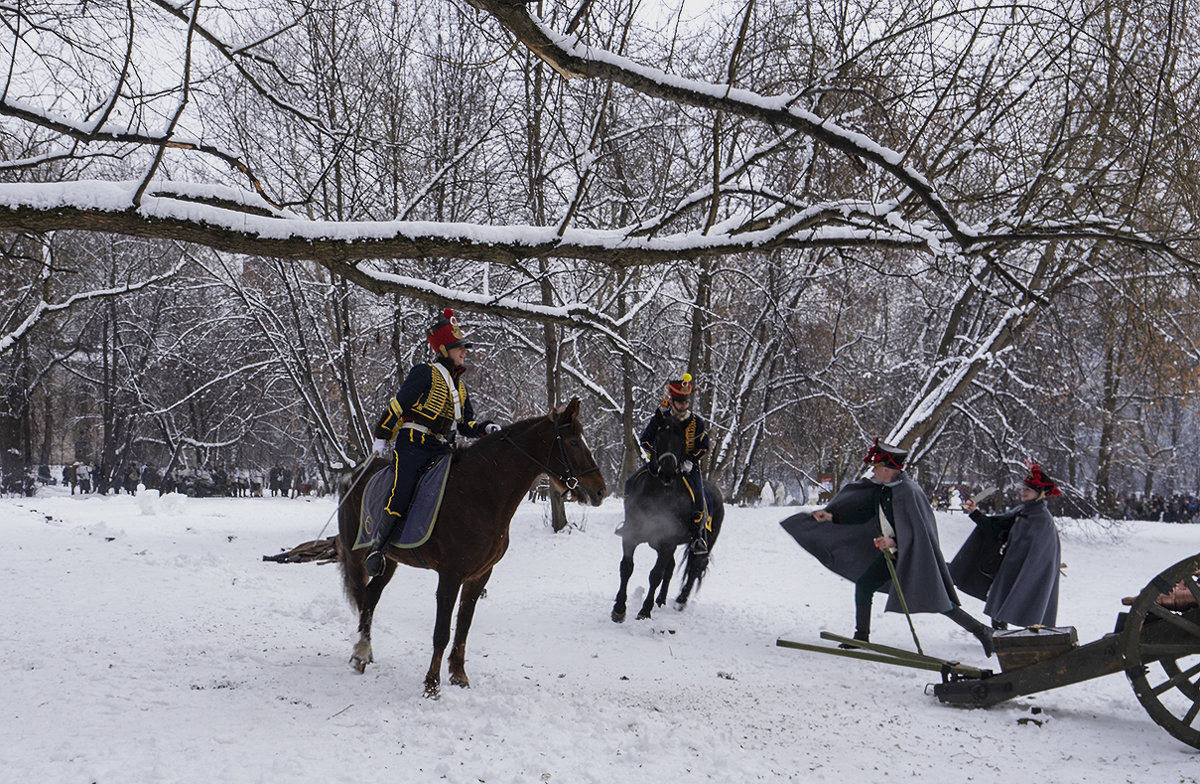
<point x="422" y="417"/>
<point x="675" y="409"/>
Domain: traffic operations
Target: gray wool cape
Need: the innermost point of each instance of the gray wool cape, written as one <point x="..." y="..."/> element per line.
<point x="1024" y="591"/>
<point x="846" y="547"/>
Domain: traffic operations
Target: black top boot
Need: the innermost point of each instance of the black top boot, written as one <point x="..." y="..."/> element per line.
<point x="981" y="632"/>
<point x="862" y="625"/>
<point x="377" y="558"/>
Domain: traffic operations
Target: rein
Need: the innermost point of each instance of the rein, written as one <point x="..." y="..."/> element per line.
<point x="570" y="479"/>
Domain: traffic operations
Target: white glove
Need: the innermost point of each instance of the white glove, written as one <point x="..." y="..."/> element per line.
<point x="687" y="466"/>
<point x="490" y="427"/>
<point x="381" y="447"/>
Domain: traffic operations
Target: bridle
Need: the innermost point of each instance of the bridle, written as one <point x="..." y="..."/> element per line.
<point x="569" y="479"/>
<point x="671" y="459"/>
<point x="666" y="467"/>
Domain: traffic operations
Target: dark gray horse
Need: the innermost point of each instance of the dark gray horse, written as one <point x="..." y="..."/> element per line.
<point x="657" y="512"/>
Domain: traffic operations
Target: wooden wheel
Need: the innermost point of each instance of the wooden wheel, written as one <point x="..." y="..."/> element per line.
<point x="1161" y="648"/>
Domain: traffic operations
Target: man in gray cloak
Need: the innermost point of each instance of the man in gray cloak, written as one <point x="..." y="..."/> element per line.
<point x="1011" y="560"/>
<point x="884" y="516"/>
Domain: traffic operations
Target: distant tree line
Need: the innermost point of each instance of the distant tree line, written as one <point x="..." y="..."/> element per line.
<point x="969" y="230"/>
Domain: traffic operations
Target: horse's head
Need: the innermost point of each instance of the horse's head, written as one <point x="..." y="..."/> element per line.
<point x="668" y="449"/>
<point x="573" y="470"/>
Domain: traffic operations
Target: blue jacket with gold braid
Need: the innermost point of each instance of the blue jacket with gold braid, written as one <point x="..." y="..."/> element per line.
<point x="424" y="400"/>
<point x="695" y="446"/>
<point x="695" y="434"/>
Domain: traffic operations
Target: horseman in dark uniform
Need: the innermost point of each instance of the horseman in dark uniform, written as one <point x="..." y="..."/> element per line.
<point x="675" y="411"/>
<point x="423" y="416"/>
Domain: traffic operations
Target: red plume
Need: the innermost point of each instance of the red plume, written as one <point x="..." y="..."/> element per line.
<point x="1038" y="480"/>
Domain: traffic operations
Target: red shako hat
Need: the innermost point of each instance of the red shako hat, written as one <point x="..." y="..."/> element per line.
<point x="445" y="334"/>
<point x="1039" y="481"/>
<point x="888" y="455"/>
<point x="681" y="389"/>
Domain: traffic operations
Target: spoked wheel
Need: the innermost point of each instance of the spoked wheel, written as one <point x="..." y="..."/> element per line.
<point x="1161" y="647"/>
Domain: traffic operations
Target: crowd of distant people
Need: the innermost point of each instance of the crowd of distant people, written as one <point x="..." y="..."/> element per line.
<point x="1179" y="508"/>
<point x="279" y="480"/>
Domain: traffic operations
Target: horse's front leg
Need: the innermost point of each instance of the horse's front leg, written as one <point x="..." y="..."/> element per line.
<point x="471" y="591"/>
<point x="618" y="610"/>
<point x="447" y="594"/>
<point x="362" y="654"/>
<point x="668" y="557"/>
<point x="664" y="565"/>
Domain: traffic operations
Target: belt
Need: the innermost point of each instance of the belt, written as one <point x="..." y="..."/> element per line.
<point x="423" y="429"/>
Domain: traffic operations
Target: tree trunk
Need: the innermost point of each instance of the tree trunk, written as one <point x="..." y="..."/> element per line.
<point x="558" y="511"/>
<point x="631" y="451"/>
<point x="535" y="174"/>
<point x="1104" y="455"/>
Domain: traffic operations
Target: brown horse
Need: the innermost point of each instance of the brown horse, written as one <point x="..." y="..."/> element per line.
<point x="487" y="482"/>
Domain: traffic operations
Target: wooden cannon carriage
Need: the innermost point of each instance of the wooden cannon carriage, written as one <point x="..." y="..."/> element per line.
<point x="1156" y="644"/>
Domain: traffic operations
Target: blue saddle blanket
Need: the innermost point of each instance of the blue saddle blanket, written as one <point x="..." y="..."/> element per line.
<point x="422" y="512"/>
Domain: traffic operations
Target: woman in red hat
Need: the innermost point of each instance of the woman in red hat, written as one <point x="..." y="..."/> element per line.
<point x="1023" y="588"/>
<point x="424" y="415"/>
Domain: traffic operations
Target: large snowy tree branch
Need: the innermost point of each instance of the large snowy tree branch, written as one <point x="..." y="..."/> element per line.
<point x="235" y="222"/>
<point x="572" y="59"/>
<point x="230" y="221"/>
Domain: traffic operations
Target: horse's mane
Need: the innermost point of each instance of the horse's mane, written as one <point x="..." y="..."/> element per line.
<point x="470" y="449"/>
<point x="485" y="443"/>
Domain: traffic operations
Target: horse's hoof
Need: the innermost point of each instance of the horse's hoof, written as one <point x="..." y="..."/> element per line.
<point x="359" y="664"/>
<point x="618" y="617"/>
<point x="461" y="681"/>
<point x="432" y="692"/>
<point x="643" y="615"/>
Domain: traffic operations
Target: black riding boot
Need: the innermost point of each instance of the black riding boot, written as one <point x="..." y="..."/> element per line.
<point x="981" y="632"/>
<point x="862" y="624"/>
<point x="377" y="558"/>
<point x="999" y="625"/>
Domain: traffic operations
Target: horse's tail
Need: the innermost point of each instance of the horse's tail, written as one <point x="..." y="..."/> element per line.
<point x="353" y="568"/>
<point x="696" y="566"/>
<point x="716" y="511"/>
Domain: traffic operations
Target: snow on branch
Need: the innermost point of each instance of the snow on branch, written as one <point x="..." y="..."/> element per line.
<point x="239" y="222"/>
<point x="573" y="59"/>
<point x="43" y="308"/>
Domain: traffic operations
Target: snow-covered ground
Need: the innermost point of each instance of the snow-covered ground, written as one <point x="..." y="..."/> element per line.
<point x="144" y="640"/>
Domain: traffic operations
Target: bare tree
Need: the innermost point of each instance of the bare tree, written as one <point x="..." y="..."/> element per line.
<point x="850" y="215"/>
